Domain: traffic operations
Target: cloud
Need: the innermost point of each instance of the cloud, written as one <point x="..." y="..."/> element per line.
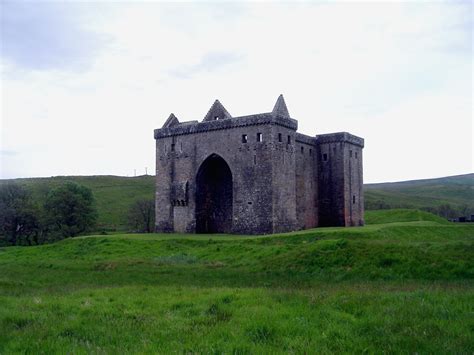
<point x="389" y="71"/>
<point x="47" y="35"/>
<point x="210" y="62"/>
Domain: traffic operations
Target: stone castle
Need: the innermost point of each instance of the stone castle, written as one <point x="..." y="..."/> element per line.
<point x="255" y="175"/>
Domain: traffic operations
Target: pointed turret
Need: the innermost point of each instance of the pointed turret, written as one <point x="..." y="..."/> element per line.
<point x="217" y="112"/>
<point x="171" y="121"/>
<point x="280" y="108"/>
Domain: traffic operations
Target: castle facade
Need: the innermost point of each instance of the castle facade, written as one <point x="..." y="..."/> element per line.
<point x="255" y="175"/>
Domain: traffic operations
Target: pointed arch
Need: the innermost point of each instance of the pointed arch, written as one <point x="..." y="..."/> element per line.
<point x="214" y="196"/>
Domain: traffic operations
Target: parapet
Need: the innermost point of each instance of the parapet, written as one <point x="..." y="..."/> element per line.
<point x="218" y="118"/>
<point x="303" y="138"/>
<point x="252" y="120"/>
<point x="340" y="137"/>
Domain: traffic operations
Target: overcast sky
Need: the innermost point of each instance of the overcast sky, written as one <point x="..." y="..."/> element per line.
<point x="83" y="85"/>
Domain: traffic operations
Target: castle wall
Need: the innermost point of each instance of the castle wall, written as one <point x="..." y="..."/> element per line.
<point x="353" y="193"/>
<point x="284" y="180"/>
<point x="306" y="182"/>
<point x="251" y="165"/>
<point x="340" y="180"/>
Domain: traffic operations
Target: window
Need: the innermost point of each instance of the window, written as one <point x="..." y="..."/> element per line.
<point x="216" y="117"/>
<point x="289" y="139"/>
<point x="310" y="152"/>
<point x="172" y="147"/>
<point x="255" y="159"/>
<point x="259" y="137"/>
<point x="244" y="138"/>
<point x="356" y="155"/>
<point x="279" y="137"/>
<point x="325" y="157"/>
<point x="353" y="199"/>
<point x="350" y="153"/>
<point x="302" y="150"/>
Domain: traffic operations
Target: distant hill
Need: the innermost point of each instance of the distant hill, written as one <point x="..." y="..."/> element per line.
<point x="447" y="197"/>
<point x="114" y="194"/>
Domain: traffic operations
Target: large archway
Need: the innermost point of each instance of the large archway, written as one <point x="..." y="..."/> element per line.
<point x="214" y="196"/>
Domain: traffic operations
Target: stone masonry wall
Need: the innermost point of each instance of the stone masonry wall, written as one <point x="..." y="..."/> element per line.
<point x="251" y="163"/>
<point x="340" y="180"/>
<point x="306" y="182"/>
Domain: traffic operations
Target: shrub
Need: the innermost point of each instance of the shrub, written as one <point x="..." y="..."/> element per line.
<point x="70" y="210"/>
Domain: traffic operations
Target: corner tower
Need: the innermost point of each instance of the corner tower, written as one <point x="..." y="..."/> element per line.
<point x="340" y="182"/>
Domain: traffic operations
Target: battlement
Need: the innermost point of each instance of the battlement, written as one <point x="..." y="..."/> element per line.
<point x="340" y="137"/>
<point x="303" y="138"/>
<point x="227" y="123"/>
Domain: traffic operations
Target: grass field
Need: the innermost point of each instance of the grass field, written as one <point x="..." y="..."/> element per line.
<point x="402" y="284"/>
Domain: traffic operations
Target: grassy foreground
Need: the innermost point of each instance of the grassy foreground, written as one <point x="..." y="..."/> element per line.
<point x="392" y="287"/>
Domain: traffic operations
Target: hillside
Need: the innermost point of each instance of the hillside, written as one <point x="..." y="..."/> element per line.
<point x="399" y="287"/>
<point x="115" y="194"/>
<point x="430" y="195"/>
<point x="401" y="215"/>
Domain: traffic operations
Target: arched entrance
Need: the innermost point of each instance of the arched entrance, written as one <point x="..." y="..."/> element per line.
<point x="214" y="196"/>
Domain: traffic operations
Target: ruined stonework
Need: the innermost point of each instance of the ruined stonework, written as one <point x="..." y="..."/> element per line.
<point x="255" y="175"/>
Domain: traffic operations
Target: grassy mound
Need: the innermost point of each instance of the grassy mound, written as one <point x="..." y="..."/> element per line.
<point x="401" y="215"/>
<point x="395" y="287"/>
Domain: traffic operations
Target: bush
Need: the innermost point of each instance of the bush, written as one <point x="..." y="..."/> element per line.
<point x="141" y="216"/>
<point x="70" y="210"/>
<point x="19" y="224"/>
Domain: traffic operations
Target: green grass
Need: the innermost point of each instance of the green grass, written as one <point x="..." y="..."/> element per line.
<point x="457" y="191"/>
<point x="401" y="215"/>
<point x="114" y="194"/>
<point x="397" y="287"/>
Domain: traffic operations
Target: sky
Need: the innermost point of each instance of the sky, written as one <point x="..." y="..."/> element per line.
<point x="84" y="84"/>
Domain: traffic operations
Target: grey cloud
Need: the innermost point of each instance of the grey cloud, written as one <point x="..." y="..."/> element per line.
<point x="210" y="62"/>
<point x="47" y="35"/>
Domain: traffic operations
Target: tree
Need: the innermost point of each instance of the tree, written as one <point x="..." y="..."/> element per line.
<point x="446" y="211"/>
<point x="141" y="216"/>
<point x="18" y="215"/>
<point x="70" y="210"/>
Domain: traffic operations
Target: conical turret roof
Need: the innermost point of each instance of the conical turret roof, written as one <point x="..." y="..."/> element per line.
<point x="280" y="108"/>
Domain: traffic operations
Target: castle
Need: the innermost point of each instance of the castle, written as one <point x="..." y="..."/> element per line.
<point x="255" y="175"/>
